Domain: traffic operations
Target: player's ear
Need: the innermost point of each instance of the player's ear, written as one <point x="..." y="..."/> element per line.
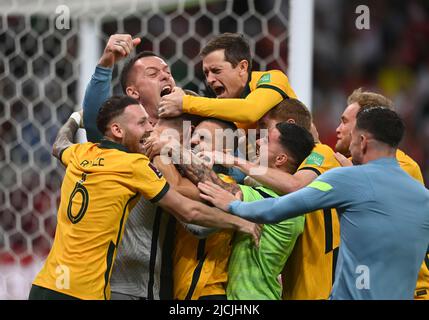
<point x="281" y="159"/>
<point x="243" y="65"/>
<point x="116" y="130"/>
<point x="132" y="92"/>
<point x="363" y="143"/>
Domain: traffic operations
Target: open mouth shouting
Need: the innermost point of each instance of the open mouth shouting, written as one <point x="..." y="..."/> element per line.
<point x="143" y="138"/>
<point x="166" y="90"/>
<point x="218" y="90"/>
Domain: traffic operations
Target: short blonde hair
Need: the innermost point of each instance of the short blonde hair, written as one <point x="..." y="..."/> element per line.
<point x="367" y="100"/>
<point x="290" y="108"/>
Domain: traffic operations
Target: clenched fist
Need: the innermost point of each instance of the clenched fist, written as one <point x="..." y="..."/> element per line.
<point x="118" y="47"/>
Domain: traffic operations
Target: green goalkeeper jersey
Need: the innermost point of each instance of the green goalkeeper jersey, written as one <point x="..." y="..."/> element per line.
<point x="253" y="273"/>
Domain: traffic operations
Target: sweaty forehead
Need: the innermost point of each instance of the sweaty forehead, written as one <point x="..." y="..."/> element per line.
<point x="351" y="111"/>
<point x="208" y="125"/>
<point x="135" y="111"/>
<point x="152" y="61"/>
<point x="266" y="122"/>
<point x="216" y="57"/>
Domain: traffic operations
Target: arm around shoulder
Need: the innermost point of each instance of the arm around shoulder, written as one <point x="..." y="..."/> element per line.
<point x="64" y="137"/>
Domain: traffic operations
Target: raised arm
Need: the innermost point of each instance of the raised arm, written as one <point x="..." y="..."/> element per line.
<point x="98" y="89"/>
<point x="66" y="135"/>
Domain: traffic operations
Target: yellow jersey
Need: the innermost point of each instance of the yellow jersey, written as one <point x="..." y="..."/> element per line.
<point x="409" y="165"/>
<point x="412" y="168"/>
<point x="200" y="266"/>
<point x="263" y="92"/>
<point x="101" y="184"/>
<point x="309" y="272"/>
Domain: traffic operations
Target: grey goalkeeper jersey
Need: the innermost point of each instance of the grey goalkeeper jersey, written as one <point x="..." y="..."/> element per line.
<point x="143" y="265"/>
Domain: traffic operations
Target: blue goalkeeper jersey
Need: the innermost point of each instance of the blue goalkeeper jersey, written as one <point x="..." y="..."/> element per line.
<point x="384" y="226"/>
<point x="97" y="92"/>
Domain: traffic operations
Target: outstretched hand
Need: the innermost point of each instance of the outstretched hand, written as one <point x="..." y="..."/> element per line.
<point x="222" y="199"/>
<point x="217" y="195"/>
<point x="152" y="145"/>
<point x="344" y="162"/>
<point x="171" y="105"/>
<point x="118" y="47"/>
<point x="252" y="229"/>
<point x="217" y="157"/>
<point x="160" y="144"/>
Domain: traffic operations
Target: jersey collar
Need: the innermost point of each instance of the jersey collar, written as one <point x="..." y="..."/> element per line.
<point x="385" y="161"/>
<point x="107" y="144"/>
<point x="246" y="90"/>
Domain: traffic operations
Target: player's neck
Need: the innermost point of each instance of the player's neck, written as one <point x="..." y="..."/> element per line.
<point x="375" y="154"/>
<point x="152" y="112"/>
<point x="287" y="167"/>
<point x="244" y="79"/>
<point x="113" y="139"/>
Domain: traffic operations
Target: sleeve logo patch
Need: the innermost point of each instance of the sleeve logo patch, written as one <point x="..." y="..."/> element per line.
<point x="154" y="169"/>
<point x="266" y="78"/>
<point x="320" y="185"/>
<point x="315" y="159"/>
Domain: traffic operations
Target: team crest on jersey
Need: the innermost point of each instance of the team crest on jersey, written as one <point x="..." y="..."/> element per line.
<point x="264" y="79"/>
<point x="315" y="159"/>
<point x="154" y="169"/>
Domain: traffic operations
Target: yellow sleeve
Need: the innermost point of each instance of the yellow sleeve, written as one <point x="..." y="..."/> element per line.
<point x="66" y="154"/>
<point x="247" y="110"/>
<point x="416" y="173"/>
<point x="274" y="80"/>
<point x="320" y="160"/>
<point x="409" y="166"/>
<point x="148" y="180"/>
<point x="266" y="94"/>
<point x="413" y="170"/>
<point x="422" y="286"/>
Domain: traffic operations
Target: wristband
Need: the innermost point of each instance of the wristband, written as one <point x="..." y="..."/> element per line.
<point x="76" y="117"/>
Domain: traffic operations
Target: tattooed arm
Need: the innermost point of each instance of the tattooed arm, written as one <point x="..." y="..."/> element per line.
<point x="196" y="170"/>
<point x="65" y="137"/>
<point x="175" y="180"/>
<point x="186" y="188"/>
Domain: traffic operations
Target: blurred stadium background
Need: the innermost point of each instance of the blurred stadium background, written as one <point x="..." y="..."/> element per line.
<point x="44" y="70"/>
